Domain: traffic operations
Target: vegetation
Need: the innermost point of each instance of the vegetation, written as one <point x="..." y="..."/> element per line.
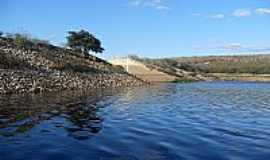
<point x="37" y="41"/>
<point x="254" y="64"/>
<point x="84" y="41"/>
<point x="24" y="40"/>
<point x="167" y="65"/>
<point x="53" y="57"/>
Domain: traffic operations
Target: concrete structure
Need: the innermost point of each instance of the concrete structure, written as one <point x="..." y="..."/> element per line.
<point x="141" y="71"/>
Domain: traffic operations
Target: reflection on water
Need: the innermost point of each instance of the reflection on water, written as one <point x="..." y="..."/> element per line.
<point x="220" y="120"/>
<point x="78" y="111"/>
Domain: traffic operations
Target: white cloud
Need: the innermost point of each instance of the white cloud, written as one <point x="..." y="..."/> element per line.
<point x="262" y="10"/>
<point x="156" y="4"/>
<point x="217" y="16"/>
<point x="241" y="13"/>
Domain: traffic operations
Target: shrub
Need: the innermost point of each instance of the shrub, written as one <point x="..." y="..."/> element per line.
<point x="25" y="41"/>
<point x="37" y="41"/>
<point x="22" y="40"/>
<point x="134" y="57"/>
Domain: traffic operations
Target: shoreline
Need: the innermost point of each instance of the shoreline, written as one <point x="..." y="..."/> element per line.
<point x="245" y="77"/>
<point x="15" y="81"/>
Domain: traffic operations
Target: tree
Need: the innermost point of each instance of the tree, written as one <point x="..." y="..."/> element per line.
<point x="1" y="33"/>
<point x="84" y="42"/>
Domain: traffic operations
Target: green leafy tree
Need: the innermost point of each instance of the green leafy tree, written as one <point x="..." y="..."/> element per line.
<point x="84" y="42"/>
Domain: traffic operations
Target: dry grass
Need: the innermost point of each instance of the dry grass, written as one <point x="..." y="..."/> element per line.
<point x="255" y="64"/>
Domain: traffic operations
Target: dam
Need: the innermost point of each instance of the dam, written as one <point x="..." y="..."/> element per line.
<point x="141" y="71"/>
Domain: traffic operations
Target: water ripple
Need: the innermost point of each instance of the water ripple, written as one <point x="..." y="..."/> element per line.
<point x="218" y="120"/>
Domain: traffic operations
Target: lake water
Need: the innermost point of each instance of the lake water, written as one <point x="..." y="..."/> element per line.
<point x="205" y="120"/>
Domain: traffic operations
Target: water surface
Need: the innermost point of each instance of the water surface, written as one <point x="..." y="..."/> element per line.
<point x="218" y="120"/>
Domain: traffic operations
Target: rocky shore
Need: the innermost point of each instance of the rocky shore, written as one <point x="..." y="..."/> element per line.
<point x="44" y="68"/>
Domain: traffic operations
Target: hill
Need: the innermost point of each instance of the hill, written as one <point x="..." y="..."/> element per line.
<point x="44" y="67"/>
<point x="246" y="67"/>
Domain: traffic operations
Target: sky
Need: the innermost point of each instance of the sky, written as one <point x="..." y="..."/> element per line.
<point x="148" y="28"/>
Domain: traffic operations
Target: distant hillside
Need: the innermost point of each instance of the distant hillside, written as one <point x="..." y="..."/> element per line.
<point x="254" y="64"/>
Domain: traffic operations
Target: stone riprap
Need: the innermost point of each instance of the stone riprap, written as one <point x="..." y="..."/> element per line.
<point x="49" y="68"/>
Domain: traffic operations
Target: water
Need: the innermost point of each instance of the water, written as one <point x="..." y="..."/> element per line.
<point x="218" y="120"/>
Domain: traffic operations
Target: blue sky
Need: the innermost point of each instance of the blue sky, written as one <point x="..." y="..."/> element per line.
<point x="149" y="28"/>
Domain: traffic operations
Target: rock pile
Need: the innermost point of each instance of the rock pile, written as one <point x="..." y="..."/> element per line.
<point x="54" y="69"/>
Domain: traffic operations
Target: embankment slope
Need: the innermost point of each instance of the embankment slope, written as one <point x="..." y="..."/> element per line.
<point x="44" y="67"/>
<point x="142" y="71"/>
<point x="150" y="71"/>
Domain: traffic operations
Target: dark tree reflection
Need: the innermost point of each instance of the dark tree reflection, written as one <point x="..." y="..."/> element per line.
<point x="80" y="109"/>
